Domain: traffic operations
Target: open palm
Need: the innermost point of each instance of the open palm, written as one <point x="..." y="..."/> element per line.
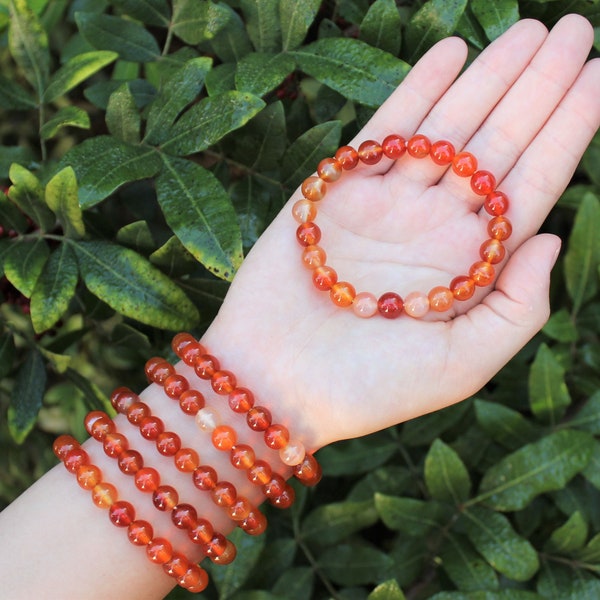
<point x="526" y="108"/>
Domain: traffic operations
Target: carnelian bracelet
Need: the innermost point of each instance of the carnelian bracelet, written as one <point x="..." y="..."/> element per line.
<point x="416" y="304"/>
<point x="122" y="514"/>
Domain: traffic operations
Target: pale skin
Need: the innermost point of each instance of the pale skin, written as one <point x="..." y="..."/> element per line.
<point x="526" y="108"/>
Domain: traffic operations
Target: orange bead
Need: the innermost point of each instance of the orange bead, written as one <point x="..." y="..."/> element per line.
<point x="313" y="257"/>
<point x="347" y="157"/>
<point x="275" y="486"/>
<point x="313" y="188"/>
<point x="165" y="498"/>
<point x="464" y="164"/>
<point x="147" y="479"/>
<point x="168" y="443"/>
<point x="191" y="401"/>
<point x="201" y="532"/>
<point x="499" y="228"/>
<point x="440" y="299"/>
<point x="151" y="427"/>
<point x="158" y="369"/>
<point x="483" y="182"/>
<point x="393" y="146"/>
<point x="416" y="305"/>
<point x="462" y="287"/>
<point x="204" y="478"/>
<point x="122" y="398"/>
<point x="370" y="152"/>
<point x="130" y="462"/>
<point x="482" y="273"/>
<point x="242" y="456"/>
<point x="329" y="170"/>
<point x="308" y="234"/>
<point x="276" y="436"/>
<point x="418" y="146"/>
<point x="139" y="532"/>
<point x="137" y="411"/>
<point x="191" y="352"/>
<point x="324" y="278"/>
<point x="184" y="516"/>
<point x="194" y="580"/>
<point x="241" y="400"/>
<point x="304" y="211"/>
<point x="88" y="476"/>
<point x="309" y="471"/>
<point x="177" y="565"/>
<point x="390" y="305"/>
<point x="175" y="385"/>
<point x="63" y="444"/>
<point x="223" y="382"/>
<point x="258" y="418"/>
<point x="97" y="423"/>
<point x="104" y="494"/>
<point x="285" y="499"/>
<point x="205" y="366"/>
<point x="224" y="437"/>
<point x="342" y="294"/>
<point x="159" y="551"/>
<point x="121" y="513"/>
<point x="180" y="341"/>
<point x="224" y="493"/>
<point x="492" y="251"/>
<point x="216" y="545"/>
<point x="186" y="460"/>
<point x="75" y="458"/>
<point x="260" y="473"/>
<point x="255" y="523"/>
<point x="496" y="203"/>
<point x="240" y="509"/>
<point x="228" y="555"/>
<point x="442" y="152"/>
<point x="292" y="453"/>
<point x="115" y="444"/>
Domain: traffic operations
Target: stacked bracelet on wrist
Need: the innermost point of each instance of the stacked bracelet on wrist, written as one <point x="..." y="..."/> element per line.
<point x="242" y="458"/>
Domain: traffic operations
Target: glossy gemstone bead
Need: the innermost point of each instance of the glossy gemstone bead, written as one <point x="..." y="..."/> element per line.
<point x="276" y="436"/>
<point x="216" y="545"/>
<point x="208" y="418"/>
<point x="364" y="305"/>
<point x="98" y="424"/>
<point x="242" y="456"/>
<point x="393" y="146"/>
<point x="285" y="499"/>
<point x="205" y="478"/>
<point x="342" y="294"/>
<point x="260" y="473"/>
<point x="122" y="398"/>
<point x="184" y="516"/>
<point x="329" y="170"/>
<point x="370" y="152"/>
<point x="205" y="366"/>
<point x="313" y="257"/>
<point x="147" y="479"/>
<point x="139" y="532"/>
<point x="440" y="299"/>
<point x="241" y="400"/>
<point x="309" y="471"/>
<point x="442" y="152"/>
<point x="462" y="287"/>
<point x="390" y="305"/>
<point x="308" y="234"/>
<point x="482" y="273"/>
<point x="130" y="462"/>
<point x="201" y="532"/>
<point x="63" y="444"/>
<point x="194" y="580"/>
<point x="150" y="427"/>
<point x="180" y="341"/>
<point x="75" y="458"/>
<point x="191" y="352"/>
<point x="499" y="228"/>
<point x="324" y="278"/>
<point x="464" y="164"/>
<point x="223" y="382"/>
<point x="416" y="304"/>
<point x="496" y="203"/>
<point x="347" y="157"/>
<point x="293" y="453"/>
<point x="121" y="513"/>
<point x="88" y="476"/>
<point x="313" y="188"/>
<point x="137" y="411"/>
<point x="259" y="418"/>
<point x="159" y="551"/>
<point x="177" y="566"/>
<point x="158" y="369"/>
<point x="224" y="493"/>
<point x="175" y="385"/>
<point x="483" y="182"/>
<point x="255" y="523"/>
<point x="275" y="486"/>
<point x="418" y="146"/>
<point x="304" y="211"/>
<point x="104" y="494"/>
<point x="240" y="509"/>
<point x="492" y="251"/>
<point x="191" y="402"/>
<point x="224" y="437"/>
<point x="168" y="443"/>
<point x="165" y="498"/>
<point x="186" y="460"/>
<point x="228" y="555"/>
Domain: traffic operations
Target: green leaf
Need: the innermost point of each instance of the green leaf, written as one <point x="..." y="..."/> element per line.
<point x="296" y="18"/>
<point x="130" y="40"/>
<point x="61" y="197"/>
<point x="25" y="262"/>
<point x="588" y="417"/>
<point x="199" y="211"/>
<point x="174" y="95"/>
<point x="446" y="476"/>
<point x="592" y="470"/>
<point x="423" y="430"/>
<point x="493" y="536"/>
<point x="122" y="117"/>
<point x="54" y="289"/>
<point x="435" y="20"/>
<point x="388" y="590"/>
<point x="561" y="327"/>
<point x="195" y="22"/>
<point x="138" y="236"/>
<point x="548" y="393"/>
<point x="7" y="353"/>
<point x="295" y="583"/>
<point x="28" y="194"/>
<point x="413" y="517"/>
<point x="99" y="93"/>
<point x="262" y="23"/>
<point x="542" y="466"/>
<point x="10" y="216"/>
<point x="103" y="164"/>
<point x="591" y="552"/>
<point x="356" y="70"/>
<point x="381" y="26"/>
<point x="231" y="42"/>
<point x="495" y="17"/>
<point x="28" y="44"/>
<point x="173" y="258"/>
<point x="67" y="116"/>
<point x="221" y="79"/>
<point x="352" y="565"/>
<point x="582" y="258"/>
<point x="129" y="284"/>
<point x="251" y="203"/>
<point x="259" y="73"/>
<point x="26" y="397"/>
<point x="13" y="96"/>
<point x="570" y="536"/>
<point x="75" y="70"/>
<point x="507" y="594"/>
<point x="151" y="12"/>
<point x="209" y="120"/>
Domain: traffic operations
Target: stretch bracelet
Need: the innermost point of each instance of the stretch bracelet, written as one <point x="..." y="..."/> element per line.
<point x="390" y="304"/>
<point x="122" y="514"/>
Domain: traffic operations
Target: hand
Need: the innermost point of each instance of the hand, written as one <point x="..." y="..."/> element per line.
<point x="526" y="108"/>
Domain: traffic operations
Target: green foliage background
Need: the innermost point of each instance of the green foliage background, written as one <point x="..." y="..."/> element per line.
<point x="144" y="146"/>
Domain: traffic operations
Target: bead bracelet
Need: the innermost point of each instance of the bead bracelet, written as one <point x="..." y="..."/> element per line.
<point x="390" y="304"/>
<point x="122" y="514"/>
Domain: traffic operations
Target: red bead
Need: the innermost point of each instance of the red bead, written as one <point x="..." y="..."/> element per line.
<point x="165" y="498"/>
<point x="492" y="251"/>
<point x="276" y="436"/>
<point x="309" y="471"/>
<point x="175" y="385"/>
<point x="187" y="348"/>
<point x="462" y="287"/>
<point x="223" y="382"/>
<point x="115" y="444"/>
<point x="240" y="509"/>
<point x="201" y="532"/>
<point x="180" y="341"/>
<point x="313" y="188"/>
<point x="194" y="580"/>
<point x="97" y="423"/>
<point x="496" y="203"/>
<point x="442" y="152"/>
<point x="260" y="473"/>
<point x="224" y="437"/>
<point x="255" y="523"/>
<point x="482" y="273"/>
<point x="63" y="444"/>
<point x="205" y="366"/>
<point x="184" y="516"/>
<point x="216" y="545"/>
<point x="147" y="479"/>
<point x="205" y="478"/>
<point x="241" y="400"/>
<point x="499" y="228"/>
<point x="313" y="257"/>
<point x="329" y="170"/>
<point x="324" y="278"/>
<point x="464" y="164"/>
<point x="308" y="234"/>
<point x="242" y="456"/>
<point x="275" y="486"/>
<point x="370" y="152"/>
<point x="347" y="157"/>
<point x="137" y="411"/>
<point x="104" y="495"/>
<point x="418" y="146"/>
<point x="159" y="551"/>
<point x="342" y="294"/>
<point x="258" y="418"/>
<point x="88" y="476"/>
<point x="483" y="182"/>
<point x="130" y="462"/>
<point x="121" y="513"/>
<point x="224" y="493"/>
<point x="158" y="369"/>
<point x="228" y="555"/>
<point x="441" y="299"/>
<point x="186" y="460"/>
<point x="390" y="305"/>
<point x="150" y="427"/>
<point x="177" y="566"/>
<point x="285" y="499"/>
<point x="168" y="443"/>
<point x="394" y="146"/>
<point x="75" y="458"/>
<point x="122" y="398"/>
<point x="191" y="401"/>
<point x="140" y="532"/>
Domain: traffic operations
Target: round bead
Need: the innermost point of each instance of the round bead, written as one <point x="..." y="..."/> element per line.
<point x="180" y="341"/>
<point x="122" y="398"/>
<point x="313" y="257"/>
<point x="88" y="476"/>
<point x="121" y="513"/>
<point x="482" y="273"/>
<point x="393" y="146"/>
<point x="304" y="211"/>
<point x="205" y="366"/>
<point x="255" y="523"/>
<point x="342" y="294"/>
<point x="370" y="152"/>
<point x="147" y="479"/>
<point x="240" y="509"/>
<point x="364" y="305"/>
<point x="258" y="418"/>
<point x="216" y="545"/>
<point x="242" y="456"/>
<point x="140" y="532"/>
<point x="492" y="251"/>
<point x="98" y="424"/>
<point x="483" y="182"/>
<point x="186" y="460"/>
<point x="324" y="278"/>
<point x="104" y="494"/>
<point x="464" y="164"/>
<point x="63" y="444"/>
<point x="130" y="462"/>
<point x="165" y="498"/>
<point x="150" y="427"/>
<point x="175" y="385"/>
<point x="418" y="146"/>
<point x="241" y="400"/>
<point x="158" y="369"/>
<point x="293" y="453"/>
<point x="115" y="444"/>
<point x="224" y="437"/>
<point x="440" y="299"/>
<point x="137" y="411"/>
<point x="309" y="471"/>
<point x="499" y="228"/>
<point x="275" y="486"/>
<point x="205" y="478"/>
<point x="462" y="287"/>
<point x="347" y="157"/>
<point x="194" y="580"/>
<point x="329" y="170"/>
<point x="191" y="401"/>
<point x="159" y="551"/>
<point x="223" y="382"/>
<point x="308" y="234"/>
<point x="390" y="305"/>
<point x="416" y="305"/>
<point x="260" y="472"/>
<point x="496" y="203"/>
<point x="177" y="566"/>
<point x="168" y="443"/>
<point x="313" y="188"/>
<point x="208" y="418"/>
<point x="224" y="493"/>
<point x="75" y="458"/>
<point x="442" y="152"/>
<point x="276" y="436"/>
<point x="228" y="555"/>
<point x="285" y="499"/>
<point x="201" y="532"/>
